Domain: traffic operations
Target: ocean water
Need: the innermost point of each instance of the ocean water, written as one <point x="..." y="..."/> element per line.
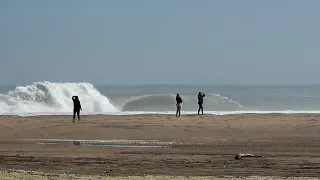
<point x="45" y="98"/>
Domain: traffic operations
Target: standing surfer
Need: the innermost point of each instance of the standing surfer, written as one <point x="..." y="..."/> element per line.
<point x="179" y="104"/>
<point x="76" y="107"/>
<point x="200" y="102"/>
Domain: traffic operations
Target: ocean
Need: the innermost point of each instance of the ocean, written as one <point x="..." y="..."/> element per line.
<point x="48" y="98"/>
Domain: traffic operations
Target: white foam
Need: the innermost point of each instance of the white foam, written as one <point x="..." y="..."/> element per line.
<point x="227" y="99"/>
<point x="164" y="113"/>
<point x="46" y="98"/>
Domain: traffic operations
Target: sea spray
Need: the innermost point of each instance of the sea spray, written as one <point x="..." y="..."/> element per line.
<point x="229" y="100"/>
<point x="48" y="98"/>
<point x="54" y="98"/>
<point x="166" y="102"/>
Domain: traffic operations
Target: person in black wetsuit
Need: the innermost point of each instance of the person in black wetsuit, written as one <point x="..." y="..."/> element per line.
<point x="179" y="104"/>
<point x="76" y="107"/>
<point x="200" y="102"/>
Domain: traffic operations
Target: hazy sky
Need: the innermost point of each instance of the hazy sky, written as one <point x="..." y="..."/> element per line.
<point x="160" y="41"/>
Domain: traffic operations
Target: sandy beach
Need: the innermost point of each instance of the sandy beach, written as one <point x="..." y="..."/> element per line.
<point x="155" y="145"/>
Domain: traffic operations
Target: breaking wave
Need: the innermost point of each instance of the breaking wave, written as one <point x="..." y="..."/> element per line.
<point x="48" y="97"/>
<point x="166" y="102"/>
<point x="55" y="98"/>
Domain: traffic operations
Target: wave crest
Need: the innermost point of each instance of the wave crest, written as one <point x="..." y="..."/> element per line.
<point x="53" y="97"/>
<point x="166" y="102"/>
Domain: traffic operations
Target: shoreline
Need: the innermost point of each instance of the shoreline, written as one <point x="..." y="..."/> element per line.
<point x="142" y="113"/>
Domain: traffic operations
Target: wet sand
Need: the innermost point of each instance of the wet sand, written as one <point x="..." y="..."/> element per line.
<point x="190" y="145"/>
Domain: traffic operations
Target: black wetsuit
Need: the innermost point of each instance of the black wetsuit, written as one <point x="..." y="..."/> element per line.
<point x="76" y="107"/>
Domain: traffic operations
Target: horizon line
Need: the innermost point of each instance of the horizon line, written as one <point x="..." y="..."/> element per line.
<point x="170" y="84"/>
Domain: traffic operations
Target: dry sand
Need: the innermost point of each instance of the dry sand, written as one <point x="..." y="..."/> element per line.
<point x="194" y="145"/>
<point x="26" y="175"/>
